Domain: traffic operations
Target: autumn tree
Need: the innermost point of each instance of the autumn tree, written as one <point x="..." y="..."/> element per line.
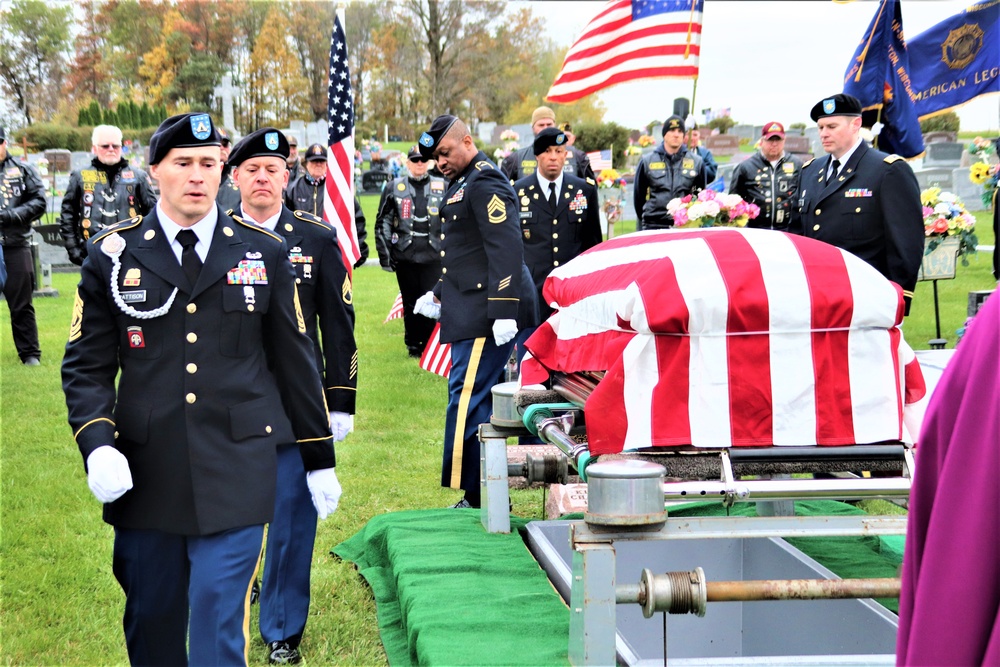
<point x="311" y="26"/>
<point x="34" y="42"/>
<point x="275" y="72"/>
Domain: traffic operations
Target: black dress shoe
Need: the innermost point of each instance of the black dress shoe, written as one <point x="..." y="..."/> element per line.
<point x="255" y="592"/>
<point x="283" y="653"/>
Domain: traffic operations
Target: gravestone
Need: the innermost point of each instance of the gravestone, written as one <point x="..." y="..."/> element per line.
<point x="317" y="132"/>
<point x="798" y="146"/>
<point x="224" y="93"/>
<point x="723" y="144"/>
<point x="935" y="178"/>
<point x="744" y="132"/>
<point x="59" y="159"/>
<point x="937" y="137"/>
<point x="967" y="191"/>
<point x="976" y="301"/>
<point x="944" y="154"/>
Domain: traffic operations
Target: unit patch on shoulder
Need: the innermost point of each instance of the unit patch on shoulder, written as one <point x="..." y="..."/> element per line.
<point x="892" y="158"/>
<point x="483" y="164"/>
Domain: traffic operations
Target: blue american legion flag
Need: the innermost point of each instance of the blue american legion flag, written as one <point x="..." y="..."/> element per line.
<point x="629" y="40"/>
<point x="600" y="160"/>
<point x="338" y="207"/>
<point x="879" y="76"/>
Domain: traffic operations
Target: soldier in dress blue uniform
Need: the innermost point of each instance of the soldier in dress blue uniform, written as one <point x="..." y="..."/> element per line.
<point x="325" y="296"/>
<point x="668" y="171"/>
<point x="197" y="315"/>
<point x="558" y="212"/>
<point x="860" y="199"/>
<point x="229" y="192"/>
<point x="408" y="240"/>
<point x="22" y="201"/>
<point x="484" y="296"/>
<point x="522" y="162"/>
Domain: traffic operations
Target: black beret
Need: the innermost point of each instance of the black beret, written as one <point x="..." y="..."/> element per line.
<point x="414" y="153"/>
<point x="673" y="123"/>
<point x="838" y="105"/>
<point x="184" y="131"/>
<point x="429" y="140"/>
<point x="315" y="153"/>
<point x="550" y="136"/>
<point x="266" y="141"/>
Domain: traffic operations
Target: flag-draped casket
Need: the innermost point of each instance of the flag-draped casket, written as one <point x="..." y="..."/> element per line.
<point x="728" y="337"/>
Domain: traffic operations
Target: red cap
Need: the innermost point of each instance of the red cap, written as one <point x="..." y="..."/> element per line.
<point x="773" y="129"/>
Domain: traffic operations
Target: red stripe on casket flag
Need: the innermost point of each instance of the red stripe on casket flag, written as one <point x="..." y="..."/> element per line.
<point x="832" y="308"/>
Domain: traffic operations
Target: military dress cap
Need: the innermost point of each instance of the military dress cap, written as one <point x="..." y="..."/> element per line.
<point x="188" y="130"/>
<point x="837" y="105"/>
<point x="772" y="129"/>
<point x="550" y="136"/>
<point x="542" y="112"/>
<point x="316" y="153"/>
<point x="265" y="142"/>
<point x="430" y="139"/>
<point x="673" y="123"/>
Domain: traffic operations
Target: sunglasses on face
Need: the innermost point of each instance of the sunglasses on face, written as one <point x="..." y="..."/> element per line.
<point x="107" y="146"/>
<point x="420" y="160"/>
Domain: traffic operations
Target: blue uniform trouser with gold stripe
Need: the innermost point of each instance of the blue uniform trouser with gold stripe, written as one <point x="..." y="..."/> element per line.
<point x="477" y="364"/>
<point x="187" y="588"/>
<point x="284" y="592"/>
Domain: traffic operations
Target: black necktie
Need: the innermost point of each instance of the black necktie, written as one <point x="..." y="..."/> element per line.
<point x="834" y="168"/>
<point x="190" y="261"/>
<point x="552" y="195"/>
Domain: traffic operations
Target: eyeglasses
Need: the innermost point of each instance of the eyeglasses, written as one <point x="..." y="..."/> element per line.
<point x="107" y="146"/>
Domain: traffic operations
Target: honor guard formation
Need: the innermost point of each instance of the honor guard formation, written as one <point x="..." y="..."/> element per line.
<point x="211" y="364"/>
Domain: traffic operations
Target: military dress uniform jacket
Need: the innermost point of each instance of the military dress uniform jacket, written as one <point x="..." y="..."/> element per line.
<point x="229" y="197"/>
<point x="94" y="201"/>
<point x="22" y="201"/>
<point x="197" y="411"/>
<point x="775" y="191"/>
<point x="523" y="162"/>
<point x="553" y="237"/>
<point x="404" y="233"/>
<point x="872" y="210"/>
<point x="483" y="277"/>
<point x="659" y="178"/>
<point x="326" y="296"/>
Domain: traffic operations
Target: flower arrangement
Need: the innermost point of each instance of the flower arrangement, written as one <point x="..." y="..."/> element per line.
<point x="632" y="149"/>
<point x="646" y="140"/>
<point x="610" y="178"/>
<point x="711" y="209"/>
<point x="510" y="140"/>
<point x="982" y="172"/>
<point x="944" y="216"/>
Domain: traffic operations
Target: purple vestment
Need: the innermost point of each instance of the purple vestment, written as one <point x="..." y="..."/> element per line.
<point x="949" y="612"/>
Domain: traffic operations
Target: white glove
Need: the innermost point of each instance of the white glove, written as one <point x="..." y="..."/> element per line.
<point x="428" y="306"/>
<point x="108" y="475"/>
<point x="341" y="424"/>
<point x="325" y="491"/>
<point x="504" y="331"/>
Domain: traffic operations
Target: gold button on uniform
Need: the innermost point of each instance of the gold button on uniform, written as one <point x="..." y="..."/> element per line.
<point x="192" y="308"/>
<point x="815" y="228"/>
<point x="192" y="337"/>
<point x="479" y="286"/>
<point x="442" y="237"/>
<point x="190" y="398"/>
<point x="555" y="222"/>
<point x="444" y="270"/>
<point x="442" y="253"/>
<point x="555" y="236"/>
<point x="818" y="211"/>
<point x="250" y="307"/>
<point x="857" y="210"/>
<point x="556" y="249"/>
<point x="267" y="429"/>
<point x="555" y="263"/>
<point x="192" y="368"/>
<point x="298" y="281"/>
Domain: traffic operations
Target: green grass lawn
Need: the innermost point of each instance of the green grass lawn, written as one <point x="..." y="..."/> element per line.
<point x="59" y="602"/>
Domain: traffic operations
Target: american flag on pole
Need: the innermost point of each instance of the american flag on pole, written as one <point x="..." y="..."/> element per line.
<point x="338" y="199"/>
<point x="727" y="338"/>
<point x="629" y="40"/>
<point x="600" y="160"/>
<point x="437" y="355"/>
<point x="396" y="312"/>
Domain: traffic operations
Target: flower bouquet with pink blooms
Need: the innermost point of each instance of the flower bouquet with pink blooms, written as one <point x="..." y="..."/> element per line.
<point x="711" y="209"/>
<point x="945" y="215"/>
